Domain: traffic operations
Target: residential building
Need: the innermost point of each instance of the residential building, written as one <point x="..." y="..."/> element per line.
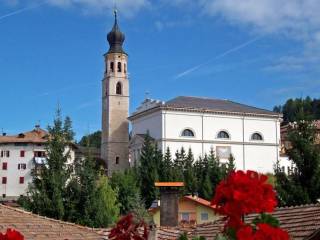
<point x="192" y="210"/>
<point x="21" y="156"/>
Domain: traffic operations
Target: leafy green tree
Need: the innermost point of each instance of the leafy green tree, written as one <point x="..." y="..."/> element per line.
<point x="126" y="185"/>
<point x="302" y="185"/>
<point x="93" y="139"/>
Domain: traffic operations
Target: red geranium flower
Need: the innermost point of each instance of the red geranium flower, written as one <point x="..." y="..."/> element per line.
<point x="244" y="193"/>
<point x="11" y="235"/>
<point x="263" y="232"/>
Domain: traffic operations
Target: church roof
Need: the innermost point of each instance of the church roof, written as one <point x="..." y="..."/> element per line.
<point x="215" y="105"/>
<point x="202" y="104"/>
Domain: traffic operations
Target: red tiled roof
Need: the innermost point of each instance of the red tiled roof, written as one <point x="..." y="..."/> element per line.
<point x="199" y="200"/>
<point x="35" y="136"/>
<point x="35" y="227"/>
<point x="300" y="221"/>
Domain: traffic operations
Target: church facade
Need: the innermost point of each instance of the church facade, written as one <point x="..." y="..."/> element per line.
<point x="250" y="134"/>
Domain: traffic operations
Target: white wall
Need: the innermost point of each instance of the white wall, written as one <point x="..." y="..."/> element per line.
<point x="256" y="155"/>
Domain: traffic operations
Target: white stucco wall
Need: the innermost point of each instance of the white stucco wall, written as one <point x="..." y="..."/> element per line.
<point x="256" y="155"/>
<point x="13" y="189"/>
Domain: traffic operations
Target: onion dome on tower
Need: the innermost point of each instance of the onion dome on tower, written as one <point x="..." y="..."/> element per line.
<point x="116" y="37"/>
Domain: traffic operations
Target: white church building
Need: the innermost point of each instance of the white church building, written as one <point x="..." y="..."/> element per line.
<point x="250" y="134"/>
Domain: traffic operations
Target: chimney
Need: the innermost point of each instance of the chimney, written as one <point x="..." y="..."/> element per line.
<point x="37" y="127"/>
<point x="169" y="199"/>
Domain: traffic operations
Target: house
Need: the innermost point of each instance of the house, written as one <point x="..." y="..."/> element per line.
<point x="250" y="134"/>
<point x="34" y="227"/>
<point x="191" y="210"/>
<point x="22" y="156"/>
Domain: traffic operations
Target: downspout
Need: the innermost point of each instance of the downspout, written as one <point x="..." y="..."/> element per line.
<point x="243" y="146"/>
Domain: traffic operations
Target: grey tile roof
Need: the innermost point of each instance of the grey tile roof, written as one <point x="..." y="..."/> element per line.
<point x="214" y="105"/>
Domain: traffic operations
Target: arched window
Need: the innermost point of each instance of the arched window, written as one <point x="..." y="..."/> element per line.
<point x="112" y="66"/>
<point x="119" y="67"/>
<point x="125" y="68"/>
<point x="256" y="137"/>
<point x="119" y="88"/>
<point x="187" y="133"/>
<point x="117" y="160"/>
<point x="223" y="135"/>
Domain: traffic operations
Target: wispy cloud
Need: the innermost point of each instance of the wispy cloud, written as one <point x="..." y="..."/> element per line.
<point x="88" y="104"/>
<point x="127" y="7"/>
<point x="19" y="11"/>
<point x="220" y="56"/>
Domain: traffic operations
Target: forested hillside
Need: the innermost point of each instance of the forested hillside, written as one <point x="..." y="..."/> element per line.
<point x="299" y="108"/>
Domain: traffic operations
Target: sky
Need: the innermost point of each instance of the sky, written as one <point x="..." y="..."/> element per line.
<point x="257" y="52"/>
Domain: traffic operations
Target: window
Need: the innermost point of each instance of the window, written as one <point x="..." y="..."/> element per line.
<point x="22" y="153"/>
<point x="3" y="195"/>
<point x="187" y="133"/>
<point x="4" y="166"/>
<point x="204" y="216"/>
<point x="119" y="67"/>
<point x="185" y="216"/>
<point x="5" y="154"/>
<point x="39" y="154"/>
<point x="256" y="137"/>
<point x="117" y="160"/>
<point x="22" y="166"/>
<point x="125" y="68"/>
<point x="119" y="88"/>
<point x="8" y="153"/>
<point x="21" y="180"/>
<point x="112" y="66"/>
<point x="223" y="135"/>
<point x="4" y="180"/>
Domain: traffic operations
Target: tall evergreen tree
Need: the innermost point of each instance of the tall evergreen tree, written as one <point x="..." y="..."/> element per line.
<point x="189" y="174"/>
<point x="166" y="171"/>
<point x="47" y="193"/>
<point x="148" y="171"/>
<point x="231" y="165"/>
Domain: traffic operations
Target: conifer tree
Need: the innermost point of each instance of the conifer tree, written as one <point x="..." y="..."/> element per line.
<point x="231" y="165"/>
<point x="167" y="171"/>
<point x="189" y="174"/>
<point x="47" y="193"/>
<point x="148" y="171"/>
<point x="215" y="168"/>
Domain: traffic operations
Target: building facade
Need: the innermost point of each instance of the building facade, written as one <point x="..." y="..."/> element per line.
<point x="21" y="157"/>
<point x="115" y="104"/>
<point x="250" y="134"/>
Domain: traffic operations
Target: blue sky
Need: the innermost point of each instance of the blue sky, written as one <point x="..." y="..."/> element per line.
<point x="254" y="52"/>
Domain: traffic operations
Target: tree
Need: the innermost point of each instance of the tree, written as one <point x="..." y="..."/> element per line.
<point x="166" y="171"/>
<point x="148" y="171"/>
<point x="231" y="165"/>
<point x="46" y="195"/>
<point x="204" y="186"/>
<point x="302" y="185"/>
<point x="94" y="140"/>
<point x="189" y="174"/>
<point x="106" y="206"/>
<point x="126" y="185"/>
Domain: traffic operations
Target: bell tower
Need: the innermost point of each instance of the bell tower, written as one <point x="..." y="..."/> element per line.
<point x="115" y="103"/>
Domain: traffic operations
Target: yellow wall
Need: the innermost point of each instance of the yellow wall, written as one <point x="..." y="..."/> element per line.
<point x="202" y="209"/>
<point x="193" y="209"/>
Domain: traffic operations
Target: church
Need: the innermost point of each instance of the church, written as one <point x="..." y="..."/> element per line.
<point x="250" y="134"/>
